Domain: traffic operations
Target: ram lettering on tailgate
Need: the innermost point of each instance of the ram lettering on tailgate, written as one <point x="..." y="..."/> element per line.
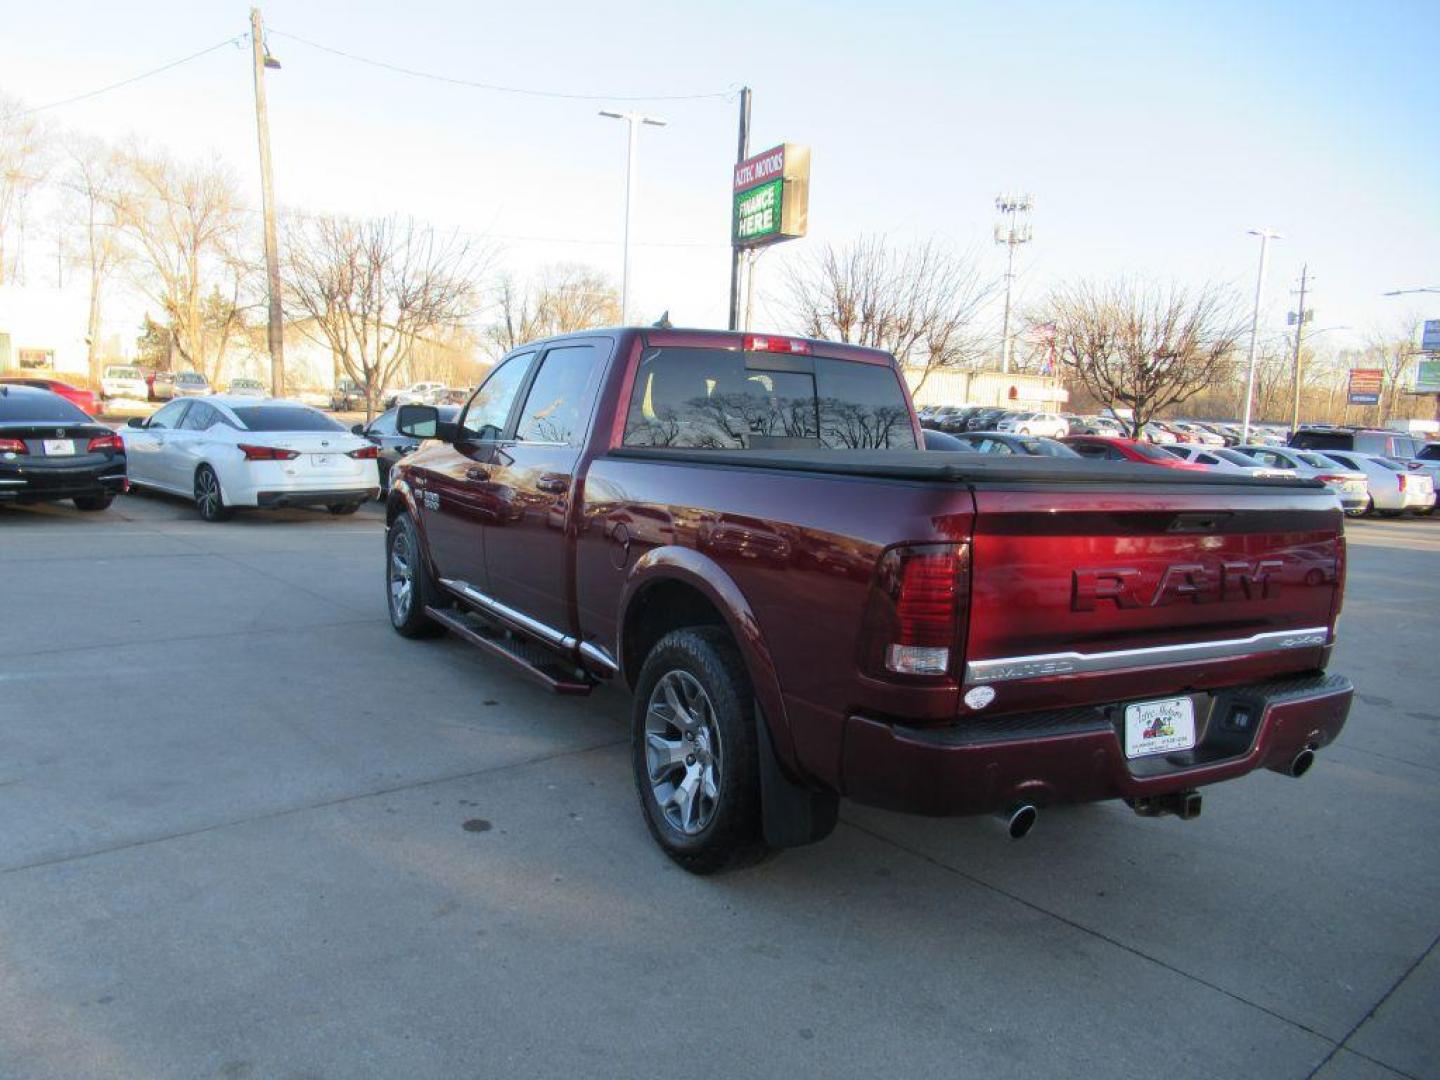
<point x="1183" y="582"/>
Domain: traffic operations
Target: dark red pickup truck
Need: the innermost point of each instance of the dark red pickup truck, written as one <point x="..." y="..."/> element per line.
<point x="807" y="606"/>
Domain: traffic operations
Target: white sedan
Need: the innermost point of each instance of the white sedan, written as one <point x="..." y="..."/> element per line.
<point x="226" y="452"/>
<point x="1393" y="488"/>
<point x="1035" y="423"/>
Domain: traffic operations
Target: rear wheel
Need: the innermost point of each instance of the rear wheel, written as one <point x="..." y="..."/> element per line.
<point x="343" y="508"/>
<point x="93" y="502"/>
<point x="409" y="589"/>
<point x="208" y="499"/>
<point x="693" y="751"/>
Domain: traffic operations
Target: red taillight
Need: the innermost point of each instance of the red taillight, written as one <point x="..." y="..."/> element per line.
<point x="104" y="442"/>
<point x="267" y="453"/>
<point x="365" y="453"/>
<point x="13" y="446"/>
<point x="1402" y="478"/>
<point x="914" y="623"/>
<point x="766" y="343"/>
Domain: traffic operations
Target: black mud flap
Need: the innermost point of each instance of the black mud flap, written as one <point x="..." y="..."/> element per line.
<point x="793" y="815"/>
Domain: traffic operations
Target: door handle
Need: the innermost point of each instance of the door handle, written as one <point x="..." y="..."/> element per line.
<point x="553" y="482"/>
<point x="475" y="472"/>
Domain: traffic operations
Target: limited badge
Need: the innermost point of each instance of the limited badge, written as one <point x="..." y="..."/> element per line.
<point x="979" y="696"/>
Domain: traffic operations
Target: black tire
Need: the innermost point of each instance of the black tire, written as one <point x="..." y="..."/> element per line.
<point x="208" y="500"/>
<point x="340" y="509"/>
<point x="1425" y="512"/>
<point x="92" y="503"/>
<point x="409" y="619"/>
<point x="730" y="834"/>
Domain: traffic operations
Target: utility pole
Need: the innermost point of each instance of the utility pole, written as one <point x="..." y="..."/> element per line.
<point x="742" y="151"/>
<point x="1300" y="318"/>
<point x="1012" y="229"/>
<point x="264" y="60"/>
<point x="634" y="120"/>
<point x="1266" y="235"/>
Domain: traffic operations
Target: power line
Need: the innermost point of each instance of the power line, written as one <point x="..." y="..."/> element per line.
<point x="526" y="91"/>
<point x="143" y="75"/>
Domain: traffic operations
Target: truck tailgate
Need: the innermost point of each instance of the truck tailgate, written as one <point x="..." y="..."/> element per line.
<point x="1092" y="594"/>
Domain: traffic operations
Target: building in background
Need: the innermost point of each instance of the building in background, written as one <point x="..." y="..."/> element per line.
<point x="1039" y="393"/>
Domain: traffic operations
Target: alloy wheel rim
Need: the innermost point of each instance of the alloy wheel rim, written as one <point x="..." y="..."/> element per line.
<point x="402" y="577"/>
<point x="683" y="752"/>
<point x="207" y="492"/>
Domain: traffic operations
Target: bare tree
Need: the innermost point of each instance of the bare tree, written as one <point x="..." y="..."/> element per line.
<point x="91" y="178"/>
<point x="371" y="290"/>
<point x="561" y="299"/>
<point x="186" y="224"/>
<point x="23" y="165"/>
<point x="1393" y="351"/>
<point x="1141" y="345"/>
<point x="918" y="303"/>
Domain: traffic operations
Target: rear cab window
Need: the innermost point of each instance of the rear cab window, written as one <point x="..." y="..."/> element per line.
<point x="721" y="399"/>
<point x="282" y="418"/>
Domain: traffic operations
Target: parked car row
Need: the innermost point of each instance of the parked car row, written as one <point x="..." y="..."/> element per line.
<point x="1363" y="483"/>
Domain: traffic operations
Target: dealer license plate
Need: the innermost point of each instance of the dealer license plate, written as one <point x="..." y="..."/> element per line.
<point x="321" y="461"/>
<point x="1159" y="727"/>
<point x="54" y="447"/>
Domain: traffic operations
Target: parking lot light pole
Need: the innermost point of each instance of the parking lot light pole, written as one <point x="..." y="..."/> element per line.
<point x="632" y="119"/>
<point x="1266" y="235"/>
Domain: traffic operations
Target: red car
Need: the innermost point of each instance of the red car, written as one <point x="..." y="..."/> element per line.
<point x="1110" y="448"/>
<point x="81" y="399"/>
<point x="744" y="531"/>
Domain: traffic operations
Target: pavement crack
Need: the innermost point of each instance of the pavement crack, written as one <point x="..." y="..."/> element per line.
<point x="321" y="804"/>
<point x="1341" y="1045"/>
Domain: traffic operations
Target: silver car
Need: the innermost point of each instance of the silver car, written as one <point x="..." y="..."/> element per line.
<point x="1219" y="457"/>
<point x="1393" y="487"/>
<point x="1351" y="485"/>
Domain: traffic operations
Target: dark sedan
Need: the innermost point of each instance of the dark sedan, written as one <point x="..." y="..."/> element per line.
<point x="393" y="446"/>
<point x="50" y="451"/>
<point x="997" y="442"/>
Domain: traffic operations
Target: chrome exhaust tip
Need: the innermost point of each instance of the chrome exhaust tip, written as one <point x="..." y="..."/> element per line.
<point x="1020" y="819"/>
<point x="1300" y="764"/>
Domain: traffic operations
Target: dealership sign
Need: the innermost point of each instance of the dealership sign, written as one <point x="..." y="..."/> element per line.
<point x="1365" y="386"/>
<point x="771" y="196"/>
<point x="1427" y="377"/>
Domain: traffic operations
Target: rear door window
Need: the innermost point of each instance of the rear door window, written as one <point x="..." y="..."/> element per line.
<point x="714" y="399"/>
<point x="558" y="406"/>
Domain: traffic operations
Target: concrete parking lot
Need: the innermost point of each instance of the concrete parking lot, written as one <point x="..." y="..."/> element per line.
<point x="247" y="831"/>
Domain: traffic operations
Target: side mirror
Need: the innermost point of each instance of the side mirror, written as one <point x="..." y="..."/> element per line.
<point x="136" y="422"/>
<point x="419" y="421"/>
<point x="357" y="429"/>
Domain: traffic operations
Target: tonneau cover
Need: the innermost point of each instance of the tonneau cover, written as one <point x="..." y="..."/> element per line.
<point x="959" y="467"/>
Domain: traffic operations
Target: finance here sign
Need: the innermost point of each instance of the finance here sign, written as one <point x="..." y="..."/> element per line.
<point x="771" y="196"/>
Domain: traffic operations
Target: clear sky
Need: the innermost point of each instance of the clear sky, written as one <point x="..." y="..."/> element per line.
<point x="1151" y="134"/>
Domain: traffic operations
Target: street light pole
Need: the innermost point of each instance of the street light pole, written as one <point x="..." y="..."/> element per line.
<point x="1266" y="235"/>
<point x="632" y="119"/>
<point x="276" y="333"/>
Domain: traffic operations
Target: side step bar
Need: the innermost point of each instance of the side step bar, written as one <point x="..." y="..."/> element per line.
<point x="529" y="657"/>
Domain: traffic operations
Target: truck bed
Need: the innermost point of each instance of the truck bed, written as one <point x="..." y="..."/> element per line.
<point x="955" y="467"/>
